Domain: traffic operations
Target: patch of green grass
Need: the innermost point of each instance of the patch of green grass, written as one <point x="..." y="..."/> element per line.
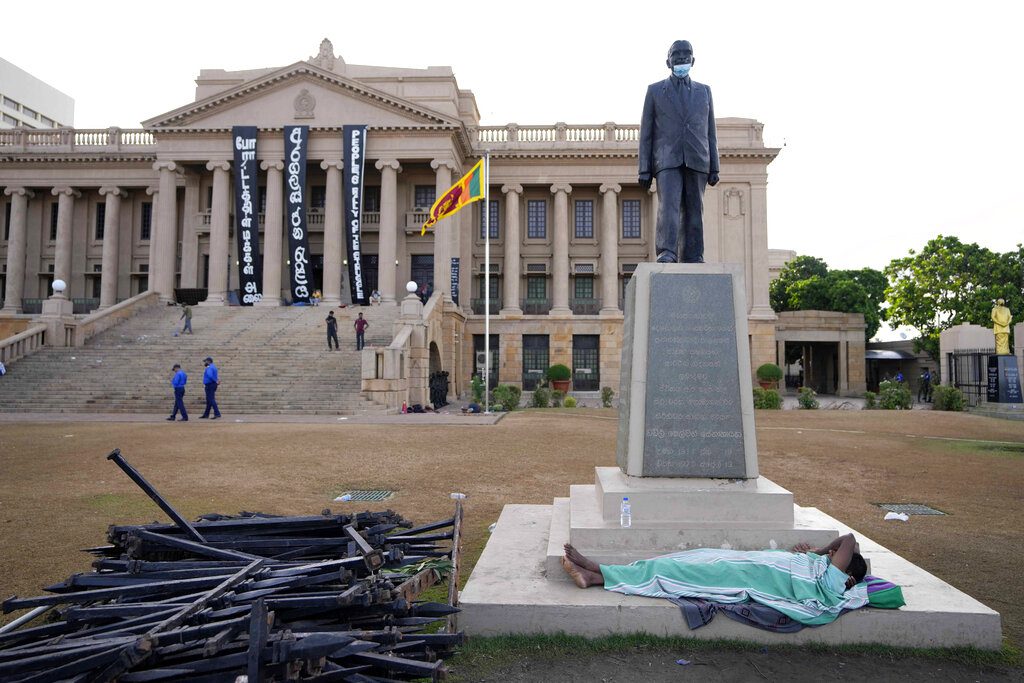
<point x="999" y="449"/>
<point x="482" y="655"/>
<point x="120" y="506"/>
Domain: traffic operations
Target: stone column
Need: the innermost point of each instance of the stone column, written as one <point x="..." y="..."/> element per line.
<point x="16" y="244"/>
<point x="844" y="379"/>
<point x="760" y="305"/>
<point x="167" y="227"/>
<point x="512" y="244"/>
<point x="111" y="241"/>
<point x="272" y="234"/>
<point x="220" y="218"/>
<point x="189" y="276"/>
<point x="62" y="258"/>
<point x="388" y="251"/>
<point x="154" y="192"/>
<point x="610" y="249"/>
<point x="333" y="242"/>
<point x="560" y="259"/>
<point x="444" y="231"/>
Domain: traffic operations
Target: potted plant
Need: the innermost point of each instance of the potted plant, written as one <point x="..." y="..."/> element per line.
<point x="560" y="377"/>
<point x="768" y="375"/>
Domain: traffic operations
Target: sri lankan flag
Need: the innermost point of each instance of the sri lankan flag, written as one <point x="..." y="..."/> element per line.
<point x="469" y="189"/>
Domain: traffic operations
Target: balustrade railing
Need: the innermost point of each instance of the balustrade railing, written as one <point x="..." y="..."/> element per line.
<point x="415" y="219"/>
<point x="478" y="306"/>
<point x="536" y="306"/>
<point x="560" y="133"/>
<point x="22" y="344"/>
<point x="80" y="140"/>
<point x="585" y="306"/>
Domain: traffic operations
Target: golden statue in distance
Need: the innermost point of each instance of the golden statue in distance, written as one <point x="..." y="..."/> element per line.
<point x="1001" y="319"/>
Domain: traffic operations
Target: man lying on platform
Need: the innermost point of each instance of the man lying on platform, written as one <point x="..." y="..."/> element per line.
<point x="812" y="586"/>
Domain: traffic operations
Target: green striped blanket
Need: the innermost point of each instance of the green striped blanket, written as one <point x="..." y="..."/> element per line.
<point x="803" y="586"/>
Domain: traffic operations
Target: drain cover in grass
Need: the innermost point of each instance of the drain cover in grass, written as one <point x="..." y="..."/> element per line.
<point x="910" y="508"/>
<point x="367" y="496"/>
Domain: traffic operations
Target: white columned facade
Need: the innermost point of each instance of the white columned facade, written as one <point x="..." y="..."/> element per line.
<point x="445" y="232"/>
<point x="333" y="243"/>
<point x="62" y="254"/>
<point x="167" y="228"/>
<point x="610" y="248"/>
<point x="16" y="244"/>
<point x="512" y="244"/>
<point x="760" y="279"/>
<point x="388" y="235"/>
<point x="154" y="192"/>
<point x="560" y="257"/>
<point x="220" y="217"/>
<point x="111" y="241"/>
<point x="272" y="234"/>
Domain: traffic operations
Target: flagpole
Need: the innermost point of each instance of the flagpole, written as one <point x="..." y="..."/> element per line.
<point x="487" y="281"/>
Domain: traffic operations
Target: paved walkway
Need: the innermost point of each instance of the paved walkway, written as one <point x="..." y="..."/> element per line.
<point x="439" y="418"/>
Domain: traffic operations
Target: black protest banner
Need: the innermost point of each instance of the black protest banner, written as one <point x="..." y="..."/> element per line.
<point x="296" y="145"/>
<point x="352" y="185"/>
<point x="247" y="198"/>
<point x="455" y="279"/>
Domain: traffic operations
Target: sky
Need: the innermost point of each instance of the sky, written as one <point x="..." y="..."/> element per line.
<point x="897" y="121"/>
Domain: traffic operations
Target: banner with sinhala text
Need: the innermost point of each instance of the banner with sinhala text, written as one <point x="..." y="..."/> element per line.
<point x="247" y="200"/>
<point x="296" y="144"/>
<point x="352" y="185"/>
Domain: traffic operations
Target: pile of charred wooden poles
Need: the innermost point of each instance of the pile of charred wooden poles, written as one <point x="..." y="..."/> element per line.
<point x="247" y="598"/>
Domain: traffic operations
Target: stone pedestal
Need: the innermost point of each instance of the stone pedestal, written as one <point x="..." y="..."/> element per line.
<point x="57" y="310"/>
<point x="1003" y="380"/>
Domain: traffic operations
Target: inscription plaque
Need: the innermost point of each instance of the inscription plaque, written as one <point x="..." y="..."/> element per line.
<point x="1003" y="380"/>
<point x="694" y="424"/>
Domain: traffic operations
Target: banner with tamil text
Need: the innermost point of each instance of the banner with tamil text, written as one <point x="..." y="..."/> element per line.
<point x="247" y="199"/>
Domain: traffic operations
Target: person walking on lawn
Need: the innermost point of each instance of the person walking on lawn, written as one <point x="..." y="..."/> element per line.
<point x="211" y="380"/>
<point x="178" y="382"/>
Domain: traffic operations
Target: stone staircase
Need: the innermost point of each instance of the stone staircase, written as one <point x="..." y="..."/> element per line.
<point x="271" y="361"/>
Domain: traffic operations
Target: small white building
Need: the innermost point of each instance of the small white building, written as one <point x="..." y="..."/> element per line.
<point x="27" y="102"/>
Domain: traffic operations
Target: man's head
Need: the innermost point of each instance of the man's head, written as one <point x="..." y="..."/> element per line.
<point x="681" y="53"/>
<point x="207" y="361"/>
<point x="360" y="315"/>
<point x="1000" y="302"/>
<point x="176" y="367"/>
<point x="857" y="568"/>
<point x="330" y="312"/>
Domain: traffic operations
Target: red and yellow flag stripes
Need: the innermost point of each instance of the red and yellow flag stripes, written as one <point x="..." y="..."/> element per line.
<point x="469" y="189"/>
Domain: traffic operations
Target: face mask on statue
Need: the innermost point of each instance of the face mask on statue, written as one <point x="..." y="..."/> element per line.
<point x="681" y="70"/>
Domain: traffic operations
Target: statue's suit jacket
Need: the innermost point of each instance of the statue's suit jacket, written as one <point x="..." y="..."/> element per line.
<point x="678" y="128"/>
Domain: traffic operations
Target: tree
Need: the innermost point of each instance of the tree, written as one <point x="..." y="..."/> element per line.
<point x="806" y="284"/>
<point x="951" y="283"/>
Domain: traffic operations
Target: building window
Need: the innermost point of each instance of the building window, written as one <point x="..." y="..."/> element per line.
<point x="146" y="224"/>
<point x="586" y="362"/>
<point x="209" y="198"/>
<point x="46" y="121"/>
<point x="10" y="120"/>
<point x="584" y="219"/>
<point x="371" y="198"/>
<point x="424" y="196"/>
<point x="493" y="217"/>
<point x="7" y="221"/>
<point x="537" y="287"/>
<point x="495" y="285"/>
<point x="535" y="360"/>
<point x="630" y="219"/>
<point x="263" y="198"/>
<point x="11" y="104"/>
<point x="31" y="113"/>
<point x="53" y="222"/>
<point x="583" y="286"/>
<point x="101" y="216"/>
<point x="536" y="219"/>
<point x="318" y="196"/>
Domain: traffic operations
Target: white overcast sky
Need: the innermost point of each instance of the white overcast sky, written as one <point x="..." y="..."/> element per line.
<point x="900" y="120"/>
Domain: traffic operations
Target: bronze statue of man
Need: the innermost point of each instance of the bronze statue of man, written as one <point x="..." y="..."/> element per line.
<point x="1001" y="319"/>
<point x="679" y="147"/>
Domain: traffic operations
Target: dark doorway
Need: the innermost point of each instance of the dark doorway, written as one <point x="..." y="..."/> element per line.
<point x="370" y="270"/>
<point x="316" y="262"/>
<point x="535" y="360"/>
<point x="814" y="365"/>
<point x="478" y="358"/>
<point x="422" y="271"/>
<point x="586" y="362"/>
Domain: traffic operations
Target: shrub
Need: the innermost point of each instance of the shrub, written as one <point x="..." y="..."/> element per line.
<point x="556" y="398"/>
<point x="767" y="399"/>
<point x="769" y="372"/>
<point x="478" y="389"/>
<point x="570" y="402"/>
<point x="894" y="395"/>
<point x="507" y="396"/>
<point x="807" y="399"/>
<point x="606" y="396"/>
<point x="558" y="373"/>
<point x="870" y="400"/>
<point x="541" y="397"/>
<point x="945" y="397"/>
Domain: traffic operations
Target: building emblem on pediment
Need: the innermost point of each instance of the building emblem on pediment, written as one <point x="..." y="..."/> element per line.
<point x="304" y="105"/>
<point x="733" y="207"/>
<point x="326" y="58"/>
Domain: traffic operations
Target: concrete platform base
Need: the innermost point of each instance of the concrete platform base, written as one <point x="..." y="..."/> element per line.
<point x="513" y="589"/>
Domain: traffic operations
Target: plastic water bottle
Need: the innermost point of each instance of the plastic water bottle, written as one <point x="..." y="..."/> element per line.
<point x="625" y="514"/>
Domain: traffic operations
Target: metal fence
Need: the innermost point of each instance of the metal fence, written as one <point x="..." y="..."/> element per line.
<point x="968" y="372"/>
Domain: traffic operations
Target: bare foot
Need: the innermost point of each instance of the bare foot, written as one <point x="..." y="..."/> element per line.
<point x="576" y="573"/>
<point x="580" y="560"/>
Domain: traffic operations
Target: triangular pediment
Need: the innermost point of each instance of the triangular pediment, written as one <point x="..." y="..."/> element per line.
<point x="301" y="94"/>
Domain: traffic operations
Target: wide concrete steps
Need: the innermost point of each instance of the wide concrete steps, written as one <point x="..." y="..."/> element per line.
<point x="528" y="596"/>
<point x="270" y="360"/>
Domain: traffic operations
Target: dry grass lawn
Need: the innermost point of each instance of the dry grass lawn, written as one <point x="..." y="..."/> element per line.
<point x="59" y="493"/>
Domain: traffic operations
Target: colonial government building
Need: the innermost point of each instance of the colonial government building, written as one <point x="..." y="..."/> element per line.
<point x="117" y="212"/>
